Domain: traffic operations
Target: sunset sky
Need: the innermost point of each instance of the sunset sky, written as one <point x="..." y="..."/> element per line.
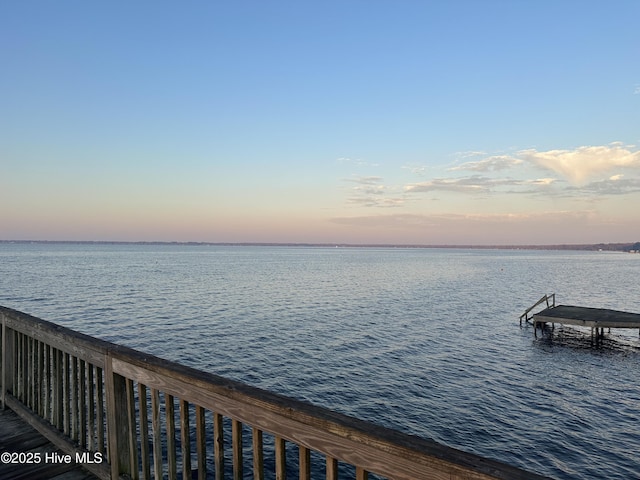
<point x="430" y="122"/>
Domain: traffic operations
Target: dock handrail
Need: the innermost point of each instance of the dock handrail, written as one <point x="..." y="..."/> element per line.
<point x="550" y="301"/>
<point x="89" y="397"/>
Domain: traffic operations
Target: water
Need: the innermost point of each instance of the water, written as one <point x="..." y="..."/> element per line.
<point x="426" y="341"/>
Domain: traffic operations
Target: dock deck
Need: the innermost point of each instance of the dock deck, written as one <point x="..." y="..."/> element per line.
<point x="588" y="317"/>
<point x="19" y="437"/>
<point x="595" y="318"/>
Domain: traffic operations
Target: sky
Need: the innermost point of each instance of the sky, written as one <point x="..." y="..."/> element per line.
<point x="479" y="122"/>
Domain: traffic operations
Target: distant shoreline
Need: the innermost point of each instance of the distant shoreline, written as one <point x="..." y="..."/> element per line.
<point x="608" y="247"/>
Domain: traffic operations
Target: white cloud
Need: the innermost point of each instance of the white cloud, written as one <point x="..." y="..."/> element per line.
<point x="580" y="164"/>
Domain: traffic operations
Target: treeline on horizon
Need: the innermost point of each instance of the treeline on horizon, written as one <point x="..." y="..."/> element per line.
<point x="608" y="247"/>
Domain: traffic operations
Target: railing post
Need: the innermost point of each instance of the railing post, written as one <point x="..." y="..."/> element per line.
<point x="118" y="434"/>
<point x="7" y="357"/>
<point x="3" y="363"/>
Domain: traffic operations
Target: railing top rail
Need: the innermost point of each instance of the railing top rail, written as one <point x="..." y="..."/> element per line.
<point x="78" y="344"/>
<point x="545" y="298"/>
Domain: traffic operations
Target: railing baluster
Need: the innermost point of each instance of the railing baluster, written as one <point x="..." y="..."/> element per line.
<point x="39" y="367"/>
<point x="304" y="459"/>
<point x="144" y="431"/>
<point x="281" y="458"/>
<point x="75" y="396"/>
<point x="21" y="367"/>
<point x="218" y="445"/>
<point x="133" y="440"/>
<point x="236" y="442"/>
<point x="82" y="402"/>
<point x="361" y="474"/>
<point x="40" y="383"/>
<point x="91" y="402"/>
<point x="157" y="433"/>
<point x="29" y="370"/>
<point x="47" y="383"/>
<point x="65" y="394"/>
<point x="171" y="436"/>
<point x="100" y="412"/>
<point x="258" y="454"/>
<point x="185" y="439"/>
<point x="332" y="468"/>
<point x="58" y="388"/>
<point x="201" y="443"/>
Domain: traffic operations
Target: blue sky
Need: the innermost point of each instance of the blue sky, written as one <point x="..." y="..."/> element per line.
<point x="368" y="122"/>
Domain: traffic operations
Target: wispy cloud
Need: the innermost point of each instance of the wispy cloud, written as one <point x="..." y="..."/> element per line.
<point x="472" y="184"/>
<point x="636" y="90"/>
<point x="356" y="161"/>
<point x="615" y="185"/>
<point x="365" y="180"/>
<point x="491" y="164"/>
<point x="369" y="191"/>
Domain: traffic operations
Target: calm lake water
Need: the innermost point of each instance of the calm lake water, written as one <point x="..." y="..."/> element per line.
<point x="426" y="341"/>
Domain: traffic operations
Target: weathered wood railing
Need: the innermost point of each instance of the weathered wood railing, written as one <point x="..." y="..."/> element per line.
<point x="146" y="417"/>
<point x="550" y="300"/>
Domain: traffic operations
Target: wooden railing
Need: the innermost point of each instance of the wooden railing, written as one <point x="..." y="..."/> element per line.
<point x="124" y="413"/>
<point x="550" y="301"/>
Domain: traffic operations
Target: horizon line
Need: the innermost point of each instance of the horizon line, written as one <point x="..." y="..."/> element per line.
<point x="555" y="246"/>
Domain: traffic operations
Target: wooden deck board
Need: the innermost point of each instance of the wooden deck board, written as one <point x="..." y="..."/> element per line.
<point x="588" y="317"/>
<point x="18" y="436"/>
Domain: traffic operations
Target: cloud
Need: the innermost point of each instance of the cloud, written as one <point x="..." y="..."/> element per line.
<point x="636" y="91"/>
<point x="542" y="181"/>
<point x="472" y="184"/>
<point x="370" y="192"/>
<point x="371" y="180"/>
<point x="491" y="164"/>
<point x="376" y="201"/>
<point x="615" y="185"/>
<point x="356" y="161"/>
<point x="580" y="164"/>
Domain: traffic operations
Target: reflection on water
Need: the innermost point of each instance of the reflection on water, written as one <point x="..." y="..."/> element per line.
<point x="614" y="342"/>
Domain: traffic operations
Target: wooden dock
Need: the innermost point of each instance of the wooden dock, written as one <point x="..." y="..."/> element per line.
<point x="595" y="318"/>
<point x="18" y="437"/>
